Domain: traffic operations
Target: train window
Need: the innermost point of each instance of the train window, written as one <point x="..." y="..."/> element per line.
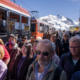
<point x="41" y="28"/>
<point x="24" y="19"/>
<point x="33" y="26"/>
<point x="44" y="28"/>
<point x="14" y="23"/>
<point x="3" y="26"/>
<point x="14" y="17"/>
<point x="2" y="14"/>
<point x="38" y="26"/>
<point x="47" y="28"/>
<point x="25" y="26"/>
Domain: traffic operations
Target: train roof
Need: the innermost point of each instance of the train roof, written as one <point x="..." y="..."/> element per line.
<point x="12" y="6"/>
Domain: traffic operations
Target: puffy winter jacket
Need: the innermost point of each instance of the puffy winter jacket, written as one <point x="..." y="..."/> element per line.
<point x="68" y="65"/>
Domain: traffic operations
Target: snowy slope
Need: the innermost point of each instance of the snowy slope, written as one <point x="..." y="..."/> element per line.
<point x="59" y="22"/>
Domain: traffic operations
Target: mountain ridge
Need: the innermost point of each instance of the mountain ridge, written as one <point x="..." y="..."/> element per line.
<point x="59" y="22"/>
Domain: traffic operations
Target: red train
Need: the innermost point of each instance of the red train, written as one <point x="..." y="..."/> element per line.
<point x="15" y="19"/>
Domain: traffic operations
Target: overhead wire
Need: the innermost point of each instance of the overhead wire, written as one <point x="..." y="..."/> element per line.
<point x="60" y="13"/>
<point x="26" y="4"/>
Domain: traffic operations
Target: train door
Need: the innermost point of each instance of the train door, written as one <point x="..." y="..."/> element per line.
<point x="26" y="27"/>
<point x="14" y="23"/>
<point x="3" y="25"/>
<point x="42" y="28"/>
<point x="33" y="31"/>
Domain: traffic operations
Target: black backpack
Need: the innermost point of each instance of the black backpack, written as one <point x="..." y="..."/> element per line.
<point x="59" y="69"/>
<point x="57" y="73"/>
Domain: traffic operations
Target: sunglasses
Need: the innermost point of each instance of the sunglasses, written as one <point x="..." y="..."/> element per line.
<point x="66" y="36"/>
<point x="76" y="47"/>
<point x="45" y="53"/>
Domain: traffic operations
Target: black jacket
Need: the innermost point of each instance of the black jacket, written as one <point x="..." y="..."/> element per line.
<point x="59" y="48"/>
<point x="65" y="46"/>
<point x="23" y="70"/>
<point x="67" y="64"/>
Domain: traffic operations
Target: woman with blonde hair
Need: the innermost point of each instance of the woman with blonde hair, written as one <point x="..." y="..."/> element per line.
<point x="3" y="66"/>
<point x="22" y="63"/>
<point x="1" y="42"/>
<point x="6" y="57"/>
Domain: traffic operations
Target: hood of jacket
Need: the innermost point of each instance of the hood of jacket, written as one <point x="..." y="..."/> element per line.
<point x="7" y="45"/>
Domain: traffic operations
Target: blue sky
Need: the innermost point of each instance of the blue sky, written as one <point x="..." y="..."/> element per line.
<point x="66" y="8"/>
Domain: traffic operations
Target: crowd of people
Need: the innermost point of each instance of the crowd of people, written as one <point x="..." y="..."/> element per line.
<point x="56" y="57"/>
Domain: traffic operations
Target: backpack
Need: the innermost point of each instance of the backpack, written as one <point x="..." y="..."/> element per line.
<point x="59" y="69"/>
<point x="57" y="73"/>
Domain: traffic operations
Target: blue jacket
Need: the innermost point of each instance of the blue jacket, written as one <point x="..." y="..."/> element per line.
<point x="76" y="76"/>
<point x="68" y="65"/>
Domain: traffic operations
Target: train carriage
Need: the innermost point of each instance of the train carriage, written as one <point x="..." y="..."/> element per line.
<point x="38" y="28"/>
<point x="13" y="19"/>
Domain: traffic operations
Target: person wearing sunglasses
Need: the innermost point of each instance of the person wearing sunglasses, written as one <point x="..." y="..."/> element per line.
<point x="65" y="42"/>
<point x="59" y="46"/>
<point x="44" y="68"/>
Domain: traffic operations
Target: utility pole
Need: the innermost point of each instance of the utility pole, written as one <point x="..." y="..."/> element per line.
<point x="34" y="14"/>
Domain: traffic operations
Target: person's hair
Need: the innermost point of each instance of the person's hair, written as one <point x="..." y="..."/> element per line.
<point x="46" y="41"/>
<point x="1" y="42"/>
<point x="66" y="33"/>
<point x="28" y="46"/>
<point x="24" y="37"/>
<point x="36" y="41"/>
<point x="74" y="39"/>
<point x="14" y="36"/>
<point x="55" y="32"/>
<point x="1" y="52"/>
<point x="39" y="38"/>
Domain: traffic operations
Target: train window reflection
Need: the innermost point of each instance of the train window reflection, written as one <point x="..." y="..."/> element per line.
<point x="33" y="27"/>
<point x="3" y="28"/>
<point x="14" y="17"/>
<point x="14" y="22"/>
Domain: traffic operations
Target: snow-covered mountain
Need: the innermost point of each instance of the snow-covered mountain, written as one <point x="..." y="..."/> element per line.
<point x="59" y="22"/>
